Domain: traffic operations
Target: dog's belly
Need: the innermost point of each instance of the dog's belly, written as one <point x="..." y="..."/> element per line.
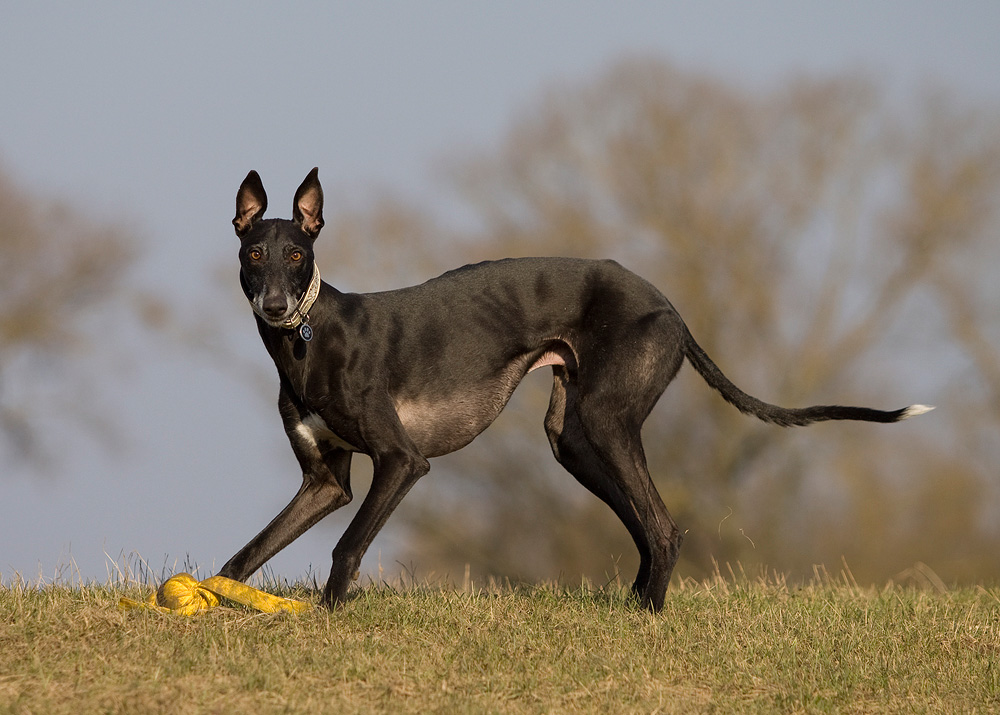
<point x="442" y="426"/>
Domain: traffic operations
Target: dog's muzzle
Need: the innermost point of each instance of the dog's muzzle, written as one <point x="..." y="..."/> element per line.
<point x="300" y="313"/>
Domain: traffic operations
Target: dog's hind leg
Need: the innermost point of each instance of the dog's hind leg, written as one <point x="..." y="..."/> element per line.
<point x="622" y="452"/>
<point x="577" y="456"/>
<point x="609" y="461"/>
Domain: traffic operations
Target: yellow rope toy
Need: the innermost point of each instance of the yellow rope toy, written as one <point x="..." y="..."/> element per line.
<point x="184" y="595"/>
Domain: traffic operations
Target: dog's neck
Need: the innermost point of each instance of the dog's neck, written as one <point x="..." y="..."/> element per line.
<point x="301" y="311"/>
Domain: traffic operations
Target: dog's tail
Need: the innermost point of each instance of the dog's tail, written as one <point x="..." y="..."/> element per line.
<point x="784" y="416"/>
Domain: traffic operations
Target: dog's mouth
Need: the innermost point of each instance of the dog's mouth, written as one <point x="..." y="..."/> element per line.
<point x="275" y="321"/>
<point x="298" y="313"/>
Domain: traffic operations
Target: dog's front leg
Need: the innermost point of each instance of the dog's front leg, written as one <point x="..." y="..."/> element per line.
<point x="326" y="486"/>
<point x="314" y="500"/>
<point x="397" y="466"/>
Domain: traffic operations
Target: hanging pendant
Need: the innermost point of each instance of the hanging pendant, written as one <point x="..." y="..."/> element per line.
<point x="306" y="332"/>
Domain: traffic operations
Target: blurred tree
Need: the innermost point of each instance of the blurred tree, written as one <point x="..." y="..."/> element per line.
<point x="60" y="270"/>
<point x="822" y="248"/>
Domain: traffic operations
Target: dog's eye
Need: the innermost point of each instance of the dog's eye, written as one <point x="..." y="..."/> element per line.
<point x="295" y="256"/>
<point x="255" y="254"/>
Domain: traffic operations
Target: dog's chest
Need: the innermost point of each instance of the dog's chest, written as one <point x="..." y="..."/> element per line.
<point x="314" y="430"/>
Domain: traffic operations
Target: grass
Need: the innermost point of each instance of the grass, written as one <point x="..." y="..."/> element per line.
<point x="728" y="644"/>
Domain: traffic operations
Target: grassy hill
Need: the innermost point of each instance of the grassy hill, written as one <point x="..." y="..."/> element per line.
<point x="729" y="644"/>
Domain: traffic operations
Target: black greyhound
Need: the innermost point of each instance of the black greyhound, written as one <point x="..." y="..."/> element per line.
<point x="419" y="372"/>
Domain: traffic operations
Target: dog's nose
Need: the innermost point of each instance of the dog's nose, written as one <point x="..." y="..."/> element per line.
<point x="275" y="305"/>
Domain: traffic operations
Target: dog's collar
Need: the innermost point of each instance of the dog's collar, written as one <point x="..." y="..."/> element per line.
<point x="300" y="313"/>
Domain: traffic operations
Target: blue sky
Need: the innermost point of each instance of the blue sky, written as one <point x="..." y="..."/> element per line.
<point x="150" y="116"/>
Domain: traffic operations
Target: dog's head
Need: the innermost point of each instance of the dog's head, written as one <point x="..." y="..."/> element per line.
<point x="276" y="255"/>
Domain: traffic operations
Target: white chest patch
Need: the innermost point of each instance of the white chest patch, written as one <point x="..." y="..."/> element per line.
<point x="315" y="430"/>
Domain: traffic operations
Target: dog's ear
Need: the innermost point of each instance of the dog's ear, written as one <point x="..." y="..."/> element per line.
<point x="251" y="202"/>
<point x="307" y="208"/>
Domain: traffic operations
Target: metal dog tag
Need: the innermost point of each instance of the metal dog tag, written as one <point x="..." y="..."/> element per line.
<point x="306" y="332"/>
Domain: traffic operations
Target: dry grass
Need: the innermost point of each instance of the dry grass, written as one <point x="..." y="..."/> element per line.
<point x="731" y="643"/>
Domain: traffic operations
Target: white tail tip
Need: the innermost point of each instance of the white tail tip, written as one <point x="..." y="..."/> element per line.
<point x="914" y="410"/>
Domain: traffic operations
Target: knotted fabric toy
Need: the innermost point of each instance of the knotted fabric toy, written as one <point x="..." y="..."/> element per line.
<point x="183" y="594"/>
